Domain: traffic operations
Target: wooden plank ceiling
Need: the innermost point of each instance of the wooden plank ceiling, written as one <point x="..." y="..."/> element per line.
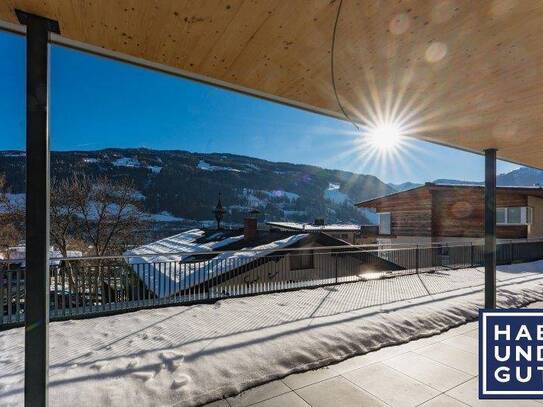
<point x="462" y="73"/>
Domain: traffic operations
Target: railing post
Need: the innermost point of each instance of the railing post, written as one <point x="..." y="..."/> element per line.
<point x="471" y="255"/>
<point x="511" y="252"/>
<point x="37" y="207"/>
<point x="417" y="258"/>
<point x="208" y="285"/>
<point x="335" y="255"/>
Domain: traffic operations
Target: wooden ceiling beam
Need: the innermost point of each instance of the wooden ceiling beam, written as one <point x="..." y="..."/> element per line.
<point x="456" y="72"/>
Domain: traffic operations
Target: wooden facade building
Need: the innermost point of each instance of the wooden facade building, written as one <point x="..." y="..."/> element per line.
<point x="439" y="212"/>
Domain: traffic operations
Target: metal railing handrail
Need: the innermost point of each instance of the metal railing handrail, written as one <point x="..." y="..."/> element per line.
<point x="372" y="247"/>
<point x="86" y="289"/>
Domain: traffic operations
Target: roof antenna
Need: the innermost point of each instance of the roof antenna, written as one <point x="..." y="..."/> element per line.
<point x="219" y="212"/>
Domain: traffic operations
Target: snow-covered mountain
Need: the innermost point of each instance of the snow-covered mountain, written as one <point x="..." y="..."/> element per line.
<point x="180" y="185"/>
<point x="522" y="176"/>
<point x="403" y="186"/>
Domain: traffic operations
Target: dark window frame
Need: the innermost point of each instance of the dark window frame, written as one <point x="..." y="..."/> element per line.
<point x="302" y="260"/>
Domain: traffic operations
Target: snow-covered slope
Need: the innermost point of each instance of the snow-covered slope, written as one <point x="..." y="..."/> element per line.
<point x="202" y="165"/>
<point x="333" y="194"/>
<point x="187" y="184"/>
<point x="129" y="162"/>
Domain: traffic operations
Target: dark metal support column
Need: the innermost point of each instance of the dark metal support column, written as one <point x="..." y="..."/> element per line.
<point x="490" y="228"/>
<point x="37" y="208"/>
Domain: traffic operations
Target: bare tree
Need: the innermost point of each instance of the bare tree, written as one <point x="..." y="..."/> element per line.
<point x="99" y="216"/>
<point x="63" y="214"/>
<point x="64" y="220"/>
<point x="84" y="211"/>
<point x="108" y="213"/>
<point x="11" y="219"/>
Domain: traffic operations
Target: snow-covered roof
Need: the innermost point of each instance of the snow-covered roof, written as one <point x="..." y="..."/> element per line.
<point x="315" y="228"/>
<point x="177" y="247"/>
<point x="18" y="255"/>
<point x="529" y="187"/>
<point x="178" y="276"/>
<point x="133" y="162"/>
<point x="126" y="162"/>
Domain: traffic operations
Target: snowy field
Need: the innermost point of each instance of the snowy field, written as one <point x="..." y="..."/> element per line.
<point x="189" y="355"/>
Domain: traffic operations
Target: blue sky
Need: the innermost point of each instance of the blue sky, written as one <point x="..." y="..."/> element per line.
<point x="98" y="103"/>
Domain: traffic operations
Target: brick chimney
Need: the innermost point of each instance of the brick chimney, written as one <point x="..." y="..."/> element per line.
<point x="250" y="229"/>
<point x="319" y="222"/>
<point x="250" y="225"/>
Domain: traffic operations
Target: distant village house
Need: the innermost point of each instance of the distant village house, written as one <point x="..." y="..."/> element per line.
<point x="445" y="213"/>
<point x="230" y="262"/>
<point x="351" y="233"/>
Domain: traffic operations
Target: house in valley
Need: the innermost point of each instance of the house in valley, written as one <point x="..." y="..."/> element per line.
<point x="351" y="233"/>
<point x="15" y="257"/>
<point x="450" y="212"/>
<point x="204" y="262"/>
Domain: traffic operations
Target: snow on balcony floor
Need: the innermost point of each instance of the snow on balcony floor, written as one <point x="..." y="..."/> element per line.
<point x="190" y="355"/>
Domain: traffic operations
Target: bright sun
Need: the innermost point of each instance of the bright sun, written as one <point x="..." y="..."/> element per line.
<point x="385" y="137"/>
